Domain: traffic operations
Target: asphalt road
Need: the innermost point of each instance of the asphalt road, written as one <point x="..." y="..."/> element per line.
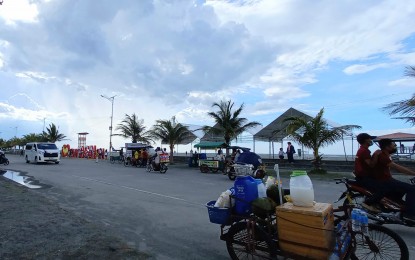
<point x="161" y="214"/>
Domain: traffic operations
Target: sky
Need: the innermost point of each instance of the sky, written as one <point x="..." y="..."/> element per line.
<point x="175" y="58"/>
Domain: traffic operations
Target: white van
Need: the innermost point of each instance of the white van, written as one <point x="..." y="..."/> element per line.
<point x="42" y="152"/>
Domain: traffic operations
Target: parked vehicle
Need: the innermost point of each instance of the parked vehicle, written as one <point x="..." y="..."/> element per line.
<point x="247" y="157"/>
<point x="3" y="159"/>
<point x="391" y="209"/>
<point x="42" y="152"/>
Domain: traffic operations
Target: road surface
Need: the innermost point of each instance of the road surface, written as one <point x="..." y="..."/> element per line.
<point x="161" y="214"/>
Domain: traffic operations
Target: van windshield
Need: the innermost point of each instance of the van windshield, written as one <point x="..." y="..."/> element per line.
<point x="47" y="146"/>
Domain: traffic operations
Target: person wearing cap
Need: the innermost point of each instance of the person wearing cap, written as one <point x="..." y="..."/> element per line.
<point x="363" y="170"/>
<point x="364" y="162"/>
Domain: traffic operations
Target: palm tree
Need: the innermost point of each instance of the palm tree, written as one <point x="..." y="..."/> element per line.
<point x="404" y="108"/>
<point x="52" y="134"/>
<point x="32" y="137"/>
<point x="169" y="132"/>
<point x="315" y="133"/>
<point x="132" y="127"/>
<point x="228" y="122"/>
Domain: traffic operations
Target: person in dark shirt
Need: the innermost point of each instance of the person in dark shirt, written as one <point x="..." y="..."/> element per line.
<point x="389" y="186"/>
<point x="290" y="152"/>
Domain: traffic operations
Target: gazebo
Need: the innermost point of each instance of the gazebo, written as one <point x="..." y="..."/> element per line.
<point x="276" y="131"/>
<point x="401" y="138"/>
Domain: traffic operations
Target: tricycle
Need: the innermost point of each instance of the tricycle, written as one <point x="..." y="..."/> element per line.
<point x="256" y="237"/>
<point x="116" y="157"/>
<point x="214" y="166"/>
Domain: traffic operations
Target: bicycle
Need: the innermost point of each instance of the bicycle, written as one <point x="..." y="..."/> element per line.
<point x="254" y="237"/>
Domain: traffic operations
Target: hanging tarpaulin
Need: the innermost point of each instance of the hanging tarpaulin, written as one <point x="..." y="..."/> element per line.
<point x="210" y="145"/>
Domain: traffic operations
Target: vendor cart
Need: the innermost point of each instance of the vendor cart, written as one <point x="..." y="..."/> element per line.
<point x="206" y="165"/>
<point x="304" y="233"/>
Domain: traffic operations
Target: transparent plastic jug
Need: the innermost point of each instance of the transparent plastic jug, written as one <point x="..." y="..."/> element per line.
<point x="262" y="191"/>
<point x="301" y="189"/>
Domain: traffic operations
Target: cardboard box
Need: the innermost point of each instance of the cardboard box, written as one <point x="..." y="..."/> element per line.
<point x="306" y="231"/>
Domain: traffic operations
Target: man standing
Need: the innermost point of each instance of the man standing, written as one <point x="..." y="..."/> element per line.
<point x="389" y="186"/>
<point x="290" y="152"/>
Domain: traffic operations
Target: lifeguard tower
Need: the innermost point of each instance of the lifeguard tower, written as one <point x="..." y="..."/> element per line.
<point x="82" y="140"/>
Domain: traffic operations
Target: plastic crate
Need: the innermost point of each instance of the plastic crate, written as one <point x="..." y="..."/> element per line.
<point x="218" y="215"/>
<point x="243" y="169"/>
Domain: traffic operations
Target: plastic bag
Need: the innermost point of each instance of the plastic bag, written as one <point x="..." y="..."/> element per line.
<point x="224" y="200"/>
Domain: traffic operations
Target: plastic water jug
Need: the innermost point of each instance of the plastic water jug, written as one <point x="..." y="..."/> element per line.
<point x="246" y="190"/>
<point x="301" y="189"/>
<point x="262" y="191"/>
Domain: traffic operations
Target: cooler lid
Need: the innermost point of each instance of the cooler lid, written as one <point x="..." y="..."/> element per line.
<point x="298" y="173"/>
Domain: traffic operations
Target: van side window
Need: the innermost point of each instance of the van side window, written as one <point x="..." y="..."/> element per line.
<point x="29" y="147"/>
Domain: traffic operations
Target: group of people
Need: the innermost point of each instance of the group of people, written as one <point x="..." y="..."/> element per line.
<point x="139" y="157"/>
<point x="373" y="171"/>
<point x="290" y="153"/>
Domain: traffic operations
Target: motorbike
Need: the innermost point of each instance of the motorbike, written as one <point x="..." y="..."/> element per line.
<point x="162" y="167"/>
<point x="390" y="210"/>
<point x="3" y="159"/>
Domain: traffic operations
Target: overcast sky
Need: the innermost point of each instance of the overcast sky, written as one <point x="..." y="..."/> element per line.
<point x="176" y="57"/>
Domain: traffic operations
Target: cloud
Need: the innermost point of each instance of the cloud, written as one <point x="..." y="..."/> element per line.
<point x="362" y="68"/>
<point x="18" y="10"/>
<point x="181" y="56"/>
<point x="405" y="82"/>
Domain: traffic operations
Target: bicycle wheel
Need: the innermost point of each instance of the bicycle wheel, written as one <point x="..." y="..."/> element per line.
<point x="112" y="160"/>
<point x="149" y="168"/>
<point x="244" y="243"/>
<point x="231" y="174"/>
<point x="204" y="168"/>
<point x="383" y="243"/>
<point x="163" y="168"/>
<point x="127" y="162"/>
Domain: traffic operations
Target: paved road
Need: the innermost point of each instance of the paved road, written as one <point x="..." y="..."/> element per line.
<point x="162" y="214"/>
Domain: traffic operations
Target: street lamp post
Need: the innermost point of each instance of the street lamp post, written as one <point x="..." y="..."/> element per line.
<point x="111" y="99"/>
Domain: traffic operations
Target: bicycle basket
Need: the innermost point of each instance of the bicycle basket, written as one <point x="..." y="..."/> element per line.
<point x="243" y="169"/>
<point x="218" y="215"/>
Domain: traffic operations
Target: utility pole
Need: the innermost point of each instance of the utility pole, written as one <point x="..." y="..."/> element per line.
<point x="111" y="99"/>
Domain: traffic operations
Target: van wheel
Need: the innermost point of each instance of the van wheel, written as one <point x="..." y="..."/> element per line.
<point x="56" y="162"/>
<point x="27" y="161"/>
<point x="36" y="160"/>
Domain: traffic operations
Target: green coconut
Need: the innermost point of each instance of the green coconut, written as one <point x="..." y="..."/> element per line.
<point x="274" y="194"/>
<point x="262" y="207"/>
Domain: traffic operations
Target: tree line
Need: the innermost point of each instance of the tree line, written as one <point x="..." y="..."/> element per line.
<point x="50" y="135"/>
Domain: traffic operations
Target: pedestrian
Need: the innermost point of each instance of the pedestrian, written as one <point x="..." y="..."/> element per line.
<point x="290" y="152"/>
<point x="144" y="157"/>
<point x="106" y="154"/>
<point x="413" y="149"/>
<point x="281" y="154"/>
<point x="402" y="148"/>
